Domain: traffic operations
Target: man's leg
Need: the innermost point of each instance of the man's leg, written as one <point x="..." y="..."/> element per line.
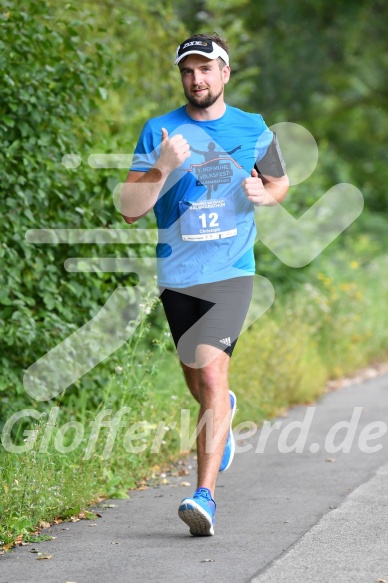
<point x="209" y="386"/>
<point x="202" y="320"/>
<point x="215" y="402"/>
<point x="191" y="378"/>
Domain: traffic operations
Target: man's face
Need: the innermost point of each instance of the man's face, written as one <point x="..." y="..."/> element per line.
<point x="202" y="79"/>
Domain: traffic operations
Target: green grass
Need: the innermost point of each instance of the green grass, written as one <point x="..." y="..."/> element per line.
<point x="334" y="324"/>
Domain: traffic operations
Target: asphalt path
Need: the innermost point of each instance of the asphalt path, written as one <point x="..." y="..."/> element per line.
<point x="298" y="516"/>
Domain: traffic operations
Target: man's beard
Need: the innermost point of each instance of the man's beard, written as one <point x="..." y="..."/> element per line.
<point x="203" y="103"/>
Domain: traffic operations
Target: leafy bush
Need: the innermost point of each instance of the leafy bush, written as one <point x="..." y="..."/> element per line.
<point x="50" y="82"/>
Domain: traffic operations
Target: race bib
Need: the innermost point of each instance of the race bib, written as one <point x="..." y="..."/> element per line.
<point x="207" y="219"/>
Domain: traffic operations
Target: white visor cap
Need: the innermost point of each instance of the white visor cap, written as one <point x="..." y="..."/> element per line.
<point x="206" y="48"/>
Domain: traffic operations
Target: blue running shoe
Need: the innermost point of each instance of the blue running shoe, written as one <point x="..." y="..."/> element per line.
<point x="228" y="455"/>
<point x="199" y="512"/>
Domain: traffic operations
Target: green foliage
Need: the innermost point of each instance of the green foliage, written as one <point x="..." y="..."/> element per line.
<point x="142" y="35"/>
<point x="62" y="70"/>
<point x="43" y="482"/>
<point x="331" y="326"/>
<point x="50" y="81"/>
<point x="42" y="487"/>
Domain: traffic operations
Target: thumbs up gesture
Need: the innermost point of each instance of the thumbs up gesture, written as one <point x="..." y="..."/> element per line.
<point x="255" y="191"/>
<point x="173" y="152"/>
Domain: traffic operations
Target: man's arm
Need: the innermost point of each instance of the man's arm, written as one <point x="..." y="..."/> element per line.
<point x="268" y="183"/>
<point x="141" y="189"/>
<point x="139" y="193"/>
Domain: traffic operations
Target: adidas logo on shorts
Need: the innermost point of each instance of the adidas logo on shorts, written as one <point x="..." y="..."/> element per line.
<point x="226" y="341"/>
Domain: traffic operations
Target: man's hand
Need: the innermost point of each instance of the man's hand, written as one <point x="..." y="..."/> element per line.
<point x="255" y="191"/>
<point x="173" y="152"/>
<point x="141" y="189"/>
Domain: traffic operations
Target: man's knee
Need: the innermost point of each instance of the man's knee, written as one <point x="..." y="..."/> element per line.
<point x="209" y="359"/>
<point x="214" y="372"/>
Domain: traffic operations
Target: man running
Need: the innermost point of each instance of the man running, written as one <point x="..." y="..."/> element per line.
<point x="203" y="168"/>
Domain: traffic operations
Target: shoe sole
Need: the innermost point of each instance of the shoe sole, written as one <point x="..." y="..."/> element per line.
<point x="233" y="447"/>
<point x="196" y="518"/>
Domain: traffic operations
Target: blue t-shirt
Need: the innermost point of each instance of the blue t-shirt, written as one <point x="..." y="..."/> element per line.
<point x="205" y="222"/>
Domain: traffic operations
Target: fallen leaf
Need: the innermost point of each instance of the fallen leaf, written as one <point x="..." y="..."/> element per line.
<point x="41" y="557"/>
<point x="108" y="505"/>
<point x="92" y="524"/>
<point x="208" y="561"/>
<point x="184" y="484"/>
<point x="183" y="472"/>
<point x="330" y="459"/>
<point x="381" y="581"/>
<point x="44" y="524"/>
<point x="99" y="515"/>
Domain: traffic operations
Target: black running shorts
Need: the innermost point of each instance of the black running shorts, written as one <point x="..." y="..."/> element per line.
<point x="211" y="313"/>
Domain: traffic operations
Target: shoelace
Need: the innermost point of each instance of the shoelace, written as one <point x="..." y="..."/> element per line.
<point x="202" y="493"/>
